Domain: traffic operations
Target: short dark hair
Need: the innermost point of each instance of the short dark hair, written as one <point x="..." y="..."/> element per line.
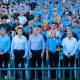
<point x="39" y="26"/>
<point x="17" y="18"/>
<point x="20" y="28"/>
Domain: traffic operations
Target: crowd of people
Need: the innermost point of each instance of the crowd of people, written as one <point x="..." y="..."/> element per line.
<point x="39" y="29"/>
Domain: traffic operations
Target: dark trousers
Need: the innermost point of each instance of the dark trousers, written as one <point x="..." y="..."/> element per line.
<point x="17" y="60"/>
<point x="66" y="64"/>
<point x="44" y="59"/>
<point x="53" y="59"/>
<point x="79" y="58"/>
<point x="4" y="59"/>
<point x="36" y="57"/>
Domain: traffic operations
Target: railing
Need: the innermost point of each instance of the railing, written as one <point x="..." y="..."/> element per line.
<point x="44" y="77"/>
<point x="60" y="71"/>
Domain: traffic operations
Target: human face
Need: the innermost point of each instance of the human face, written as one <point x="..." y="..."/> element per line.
<point x="53" y="34"/>
<point x="20" y="32"/>
<point x="30" y="30"/>
<point x="2" y="32"/>
<point x="69" y="28"/>
<point x="35" y="31"/>
<point x="16" y="21"/>
<point x="53" y="26"/>
<point x="39" y="30"/>
<point x="75" y="24"/>
<point x="35" y="18"/>
<point x="69" y="34"/>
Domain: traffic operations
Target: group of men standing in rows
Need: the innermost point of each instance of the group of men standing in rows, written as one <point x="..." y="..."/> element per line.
<point x="36" y="47"/>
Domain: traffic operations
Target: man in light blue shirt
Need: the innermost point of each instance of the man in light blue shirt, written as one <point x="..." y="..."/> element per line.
<point x="76" y="29"/>
<point x="36" y="21"/>
<point x="4" y="49"/>
<point x="36" y="51"/>
<point x="69" y="49"/>
<point x="52" y="53"/>
<point x="19" y="50"/>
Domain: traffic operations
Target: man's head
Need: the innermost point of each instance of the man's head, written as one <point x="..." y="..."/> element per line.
<point x="38" y="7"/>
<point x="30" y="22"/>
<point x="46" y="10"/>
<point x="2" y="31"/>
<point x="16" y="20"/>
<point x="53" y="26"/>
<point x="35" y="18"/>
<point x="53" y="34"/>
<point x="39" y="28"/>
<point x="20" y="31"/>
<point x="21" y="14"/>
<point x="35" y="31"/>
<point x="69" y="34"/>
<point x="75" y="24"/>
<point x="69" y="28"/>
<point x="4" y="21"/>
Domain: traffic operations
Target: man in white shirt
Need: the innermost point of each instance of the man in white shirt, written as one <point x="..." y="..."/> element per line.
<point x="19" y="50"/>
<point x="22" y="19"/>
<point x="69" y="49"/>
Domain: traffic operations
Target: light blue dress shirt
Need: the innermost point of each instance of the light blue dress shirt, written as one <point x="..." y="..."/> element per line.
<point x="79" y="44"/>
<point x="4" y="43"/>
<point x="36" y="23"/>
<point x="19" y="43"/>
<point x="36" y="42"/>
<point x="52" y="44"/>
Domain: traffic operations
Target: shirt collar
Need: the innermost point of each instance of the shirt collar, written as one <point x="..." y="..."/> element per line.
<point x="3" y="35"/>
<point x="36" y="35"/>
<point x="70" y="38"/>
<point x="53" y="38"/>
<point x="19" y="37"/>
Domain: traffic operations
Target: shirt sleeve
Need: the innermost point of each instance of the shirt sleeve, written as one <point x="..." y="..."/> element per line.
<point x="8" y="45"/>
<point x="64" y="48"/>
<point x="47" y="43"/>
<point x="43" y="44"/>
<point x="75" y="48"/>
<point x="26" y="47"/>
<point x="25" y="19"/>
<point x="79" y="44"/>
<point x="29" y="44"/>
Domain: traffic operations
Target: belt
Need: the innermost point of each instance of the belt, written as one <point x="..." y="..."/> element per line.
<point x="18" y="50"/>
<point x="52" y="52"/>
<point x="36" y="50"/>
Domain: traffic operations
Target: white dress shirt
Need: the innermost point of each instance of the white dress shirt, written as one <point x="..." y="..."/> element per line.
<point x="22" y="20"/>
<point x="19" y="43"/>
<point x="69" y="46"/>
